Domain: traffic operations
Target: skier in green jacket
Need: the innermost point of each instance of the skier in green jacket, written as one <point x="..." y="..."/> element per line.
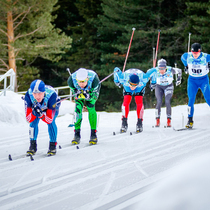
<point x="85" y="85"/>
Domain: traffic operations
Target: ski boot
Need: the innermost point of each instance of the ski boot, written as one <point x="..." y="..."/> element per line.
<point x="93" y="137"/>
<point x="168" y="122"/>
<point x="157" y="122"/>
<point x="139" y="127"/>
<point x="190" y="123"/>
<point x="32" y="149"/>
<point x="124" y="125"/>
<point x="77" y="137"/>
<point x="52" y="149"/>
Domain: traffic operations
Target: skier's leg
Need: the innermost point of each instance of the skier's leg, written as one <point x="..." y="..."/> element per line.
<point x="33" y="133"/>
<point x="168" y="95"/>
<point x="205" y="88"/>
<point x="77" y="121"/>
<point x="126" y="105"/>
<point x="159" y="92"/>
<point x="92" y="115"/>
<point x="192" y="89"/>
<point x="140" y="112"/>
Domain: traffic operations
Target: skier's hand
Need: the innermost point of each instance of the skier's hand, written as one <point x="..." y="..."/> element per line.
<point x="37" y="110"/>
<point x="209" y="65"/>
<point x="86" y="95"/>
<point x="186" y="69"/>
<point x="152" y="86"/>
<point x="118" y="84"/>
<point x="178" y="82"/>
<point x="116" y="69"/>
<point x="78" y="94"/>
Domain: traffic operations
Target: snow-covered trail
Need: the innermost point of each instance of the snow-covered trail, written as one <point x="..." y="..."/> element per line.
<point x="115" y="174"/>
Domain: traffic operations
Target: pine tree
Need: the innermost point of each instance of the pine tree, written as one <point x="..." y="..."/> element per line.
<point x="26" y="32"/>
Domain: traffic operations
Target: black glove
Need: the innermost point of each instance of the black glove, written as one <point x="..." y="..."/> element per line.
<point x="186" y="69"/>
<point x="37" y="110"/>
<point x="178" y="82"/>
<point x="87" y="95"/>
<point x="152" y="86"/>
<point x="209" y="65"/>
<point x="118" y="84"/>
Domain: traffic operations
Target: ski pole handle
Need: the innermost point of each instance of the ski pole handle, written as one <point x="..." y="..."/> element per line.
<point x="68" y="71"/>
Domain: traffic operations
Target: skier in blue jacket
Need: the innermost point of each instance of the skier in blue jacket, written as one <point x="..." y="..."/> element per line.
<point x="134" y="82"/>
<point x="196" y="64"/>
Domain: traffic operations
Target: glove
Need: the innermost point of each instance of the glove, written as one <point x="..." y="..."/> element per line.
<point x="86" y="95"/>
<point x="186" y="69"/>
<point x="37" y="110"/>
<point x="118" y="84"/>
<point x="116" y="69"/>
<point x="152" y="86"/>
<point x="178" y="82"/>
<point x="209" y="65"/>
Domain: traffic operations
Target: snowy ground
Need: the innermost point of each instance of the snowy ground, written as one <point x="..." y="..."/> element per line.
<point x="158" y="169"/>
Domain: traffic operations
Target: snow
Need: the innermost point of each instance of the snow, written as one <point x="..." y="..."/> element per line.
<point x="158" y="169"/>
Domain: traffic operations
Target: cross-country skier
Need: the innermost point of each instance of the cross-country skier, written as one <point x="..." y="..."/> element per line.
<point x="162" y="82"/>
<point x="196" y="64"/>
<point x="133" y="82"/>
<point x="86" y="85"/>
<point x="41" y="102"/>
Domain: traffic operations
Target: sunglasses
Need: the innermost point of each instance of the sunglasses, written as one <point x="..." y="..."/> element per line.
<point x="82" y="81"/>
<point x="133" y="84"/>
<point x="196" y="52"/>
<point x="162" y="68"/>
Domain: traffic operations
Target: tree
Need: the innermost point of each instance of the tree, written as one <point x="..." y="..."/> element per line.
<point x="26" y="32"/>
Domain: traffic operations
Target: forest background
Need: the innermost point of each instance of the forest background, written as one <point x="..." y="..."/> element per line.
<point x="41" y="38"/>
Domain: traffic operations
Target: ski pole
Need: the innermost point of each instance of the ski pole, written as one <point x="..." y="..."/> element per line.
<point x="153" y="58"/>
<point x="68" y="71"/>
<point x="189" y="43"/>
<point x="106" y="78"/>
<point x="128" y="49"/>
<point x="154" y="64"/>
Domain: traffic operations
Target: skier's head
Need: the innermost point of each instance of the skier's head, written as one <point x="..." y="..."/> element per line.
<point x="82" y="77"/>
<point x="162" y="66"/>
<point x="133" y="80"/>
<point x="196" y="47"/>
<point x="37" y="86"/>
<point x="38" y="89"/>
<point x="196" y="50"/>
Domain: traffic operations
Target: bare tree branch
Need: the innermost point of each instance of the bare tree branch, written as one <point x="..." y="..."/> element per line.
<point x="19" y="36"/>
<point x="4" y="32"/>
<point x="26" y="12"/>
<point x="4" y="64"/>
<point x="3" y="70"/>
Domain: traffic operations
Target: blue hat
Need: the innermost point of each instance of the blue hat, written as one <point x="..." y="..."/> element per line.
<point x="134" y="80"/>
<point x="37" y="86"/>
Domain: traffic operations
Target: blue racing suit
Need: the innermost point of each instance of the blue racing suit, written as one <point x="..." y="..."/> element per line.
<point x="198" y="78"/>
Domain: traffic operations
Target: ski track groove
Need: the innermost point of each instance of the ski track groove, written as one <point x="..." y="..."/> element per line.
<point x="61" y="181"/>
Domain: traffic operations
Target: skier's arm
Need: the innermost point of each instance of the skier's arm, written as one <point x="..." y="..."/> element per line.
<point x="50" y="112"/>
<point x="184" y="59"/>
<point x="71" y="85"/>
<point x="28" y="109"/>
<point x="96" y="85"/>
<point x="178" y="72"/>
<point x="151" y="75"/>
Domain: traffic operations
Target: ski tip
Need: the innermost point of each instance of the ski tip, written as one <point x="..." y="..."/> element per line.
<point x="131" y="133"/>
<point x="10" y="157"/>
<point x="59" y="147"/>
<point x="114" y="133"/>
<point x="77" y="147"/>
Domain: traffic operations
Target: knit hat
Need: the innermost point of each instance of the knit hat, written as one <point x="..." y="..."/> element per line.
<point x="196" y="47"/>
<point x="81" y="75"/>
<point x="162" y="63"/>
<point x="37" y="86"/>
<point x="134" y="80"/>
